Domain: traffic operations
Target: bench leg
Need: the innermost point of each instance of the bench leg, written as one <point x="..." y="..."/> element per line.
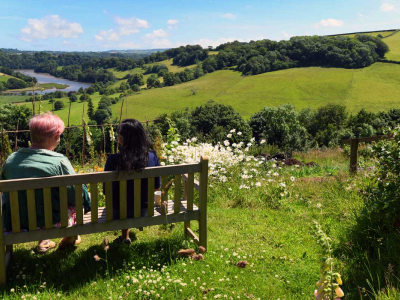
<point x="3" y="264"/>
<point x="203" y="230"/>
<point x="186" y="226"/>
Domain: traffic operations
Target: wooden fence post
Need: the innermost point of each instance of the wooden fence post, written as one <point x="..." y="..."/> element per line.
<point x="2" y="143"/>
<point x="68" y="134"/>
<point x="16" y="140"/>
<point x="33" y="99"/>
<point x="353" y="156"/>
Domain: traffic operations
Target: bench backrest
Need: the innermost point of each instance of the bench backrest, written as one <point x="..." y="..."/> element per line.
<point x="61" y="182"/>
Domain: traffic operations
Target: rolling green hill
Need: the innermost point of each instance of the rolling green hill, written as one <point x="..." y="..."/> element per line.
<point x="374" y="88"/>
<point x="393" y="42"/>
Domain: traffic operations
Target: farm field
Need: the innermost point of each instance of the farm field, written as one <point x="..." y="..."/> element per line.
<point x="374" y="88"/>
<point x="5" y="77"/>
<point x="383" y="33"/>
<point x="394" y="45"/>
<point x="172" y="68"/>
<point x="12" y="99"/>
<point x="46" y="86"/>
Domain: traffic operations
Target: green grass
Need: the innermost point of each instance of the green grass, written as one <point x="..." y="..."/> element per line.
<point x="283" y="255"/>
<point x="12" y="99"/>
<point x="5" y="77"/>
<point x="171" y="67"/>
<point x="374" y="88"/>
<point x="394" y="45"/>
<point x="76" y="108"/>
<point x="383" y="33"/>
<point x="46" y="86"/>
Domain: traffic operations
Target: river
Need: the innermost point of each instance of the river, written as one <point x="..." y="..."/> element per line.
<point x="47" y="78"/>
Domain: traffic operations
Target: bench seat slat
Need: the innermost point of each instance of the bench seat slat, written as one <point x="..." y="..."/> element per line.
<point x="30" y="196"/>
<point x="48" y="211"/>
<point x="79" y="204"/>
<point x="94" y="201"/>
<point x="150" y="197"/>
<point x="123" y="200"/>
<point x="109" y="201"/>
<point x="63" y="206"/>
<point x="136" y="198"/>
<point x="14" y="205"/>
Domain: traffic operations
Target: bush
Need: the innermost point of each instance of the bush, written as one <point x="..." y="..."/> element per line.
<point x="58" y="105"/>
<point x="280" y="126"/>
<point x="213" y="121"/>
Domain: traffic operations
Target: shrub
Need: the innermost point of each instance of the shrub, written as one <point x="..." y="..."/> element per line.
<point x="213" y="120"/>
<point x="58" y="105"/>
<point x="280" y="126"/>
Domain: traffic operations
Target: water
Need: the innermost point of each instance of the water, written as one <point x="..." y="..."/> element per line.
<point x="47" y="78"/>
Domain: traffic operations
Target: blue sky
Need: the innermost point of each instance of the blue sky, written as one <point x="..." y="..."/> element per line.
<point x="120" y="24"/>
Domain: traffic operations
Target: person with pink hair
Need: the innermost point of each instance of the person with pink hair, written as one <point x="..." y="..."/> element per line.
<point x="40" y="160"/>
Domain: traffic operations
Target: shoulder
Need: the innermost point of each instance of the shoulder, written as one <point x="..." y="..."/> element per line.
<point x="111" y="163"/>
<point x="153" y="159"/>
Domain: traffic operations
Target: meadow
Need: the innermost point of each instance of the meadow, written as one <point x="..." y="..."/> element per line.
<point x="263" y="218"/>
<point x="394" y="45"/>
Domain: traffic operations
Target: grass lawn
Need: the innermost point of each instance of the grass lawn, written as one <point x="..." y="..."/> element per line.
<point x="282" y="254"/>
<point x="12" y="99"/>
<point x="394" y="45"/>
<point x="171" y="67"/>
<point x="374" y="88"/>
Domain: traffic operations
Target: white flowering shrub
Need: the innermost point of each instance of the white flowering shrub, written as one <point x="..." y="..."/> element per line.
<point x="231" y="166"/>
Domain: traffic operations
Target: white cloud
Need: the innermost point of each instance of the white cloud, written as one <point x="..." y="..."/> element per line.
<point x="129" y="26"/>
<point x="156" y="34"/>
<point x="109" y="35"/>
<point x="172" y="23"/>
<point x="387" y="7"/>
<point x="51" y="26"/>
<point x="65" y="42"/>
<point x="123" y="27"/>
<point x="229" y="16"/>
<point x="329" y="23"/>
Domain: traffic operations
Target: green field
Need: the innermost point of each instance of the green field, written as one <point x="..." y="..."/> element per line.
<point x="374" y="88"/>
<point x="171" y="67"/>
<point x="12" y="99"/>
<point x="46" y="86"/>
<point x="383" y="33"/>
<point x="394" y="45"/>
<point x="5" y="77"/>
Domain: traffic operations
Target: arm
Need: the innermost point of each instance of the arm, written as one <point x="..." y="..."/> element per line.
<point x="67" y="169"/>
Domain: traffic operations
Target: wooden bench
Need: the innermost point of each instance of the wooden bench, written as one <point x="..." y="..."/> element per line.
<point x="100" y="219"/>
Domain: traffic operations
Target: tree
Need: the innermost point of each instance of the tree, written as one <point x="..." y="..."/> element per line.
<point x="90" y="110"/>
<point x="101" y="115"/>
<point x="136" y="79"/>
<point x="136" y="88"/>
<point x="193" y="89"/>
<point x="151" y="81"/>
<point x="73" y="97"/>
<point x="58" y="105"/>
<point x="169" y="79"/>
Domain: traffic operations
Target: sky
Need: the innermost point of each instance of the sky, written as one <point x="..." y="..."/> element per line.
<point x="100" y="25"/>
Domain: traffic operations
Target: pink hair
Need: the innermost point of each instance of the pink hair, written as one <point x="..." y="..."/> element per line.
<point x="45" y="126"/>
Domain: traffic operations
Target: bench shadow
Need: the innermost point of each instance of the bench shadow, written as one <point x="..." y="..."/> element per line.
<point x="69" y="269"/>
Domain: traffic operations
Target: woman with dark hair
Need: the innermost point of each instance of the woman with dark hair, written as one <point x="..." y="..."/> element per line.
<point x="135" y="155"/>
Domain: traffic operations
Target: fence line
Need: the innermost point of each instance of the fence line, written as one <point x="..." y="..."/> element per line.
<point x="79" y="126"/>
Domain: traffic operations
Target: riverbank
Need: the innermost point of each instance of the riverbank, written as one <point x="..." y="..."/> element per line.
<point x="39" y="86"/>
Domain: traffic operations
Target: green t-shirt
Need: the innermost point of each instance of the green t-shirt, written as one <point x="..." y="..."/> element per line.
<point x="33" y="163"/>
